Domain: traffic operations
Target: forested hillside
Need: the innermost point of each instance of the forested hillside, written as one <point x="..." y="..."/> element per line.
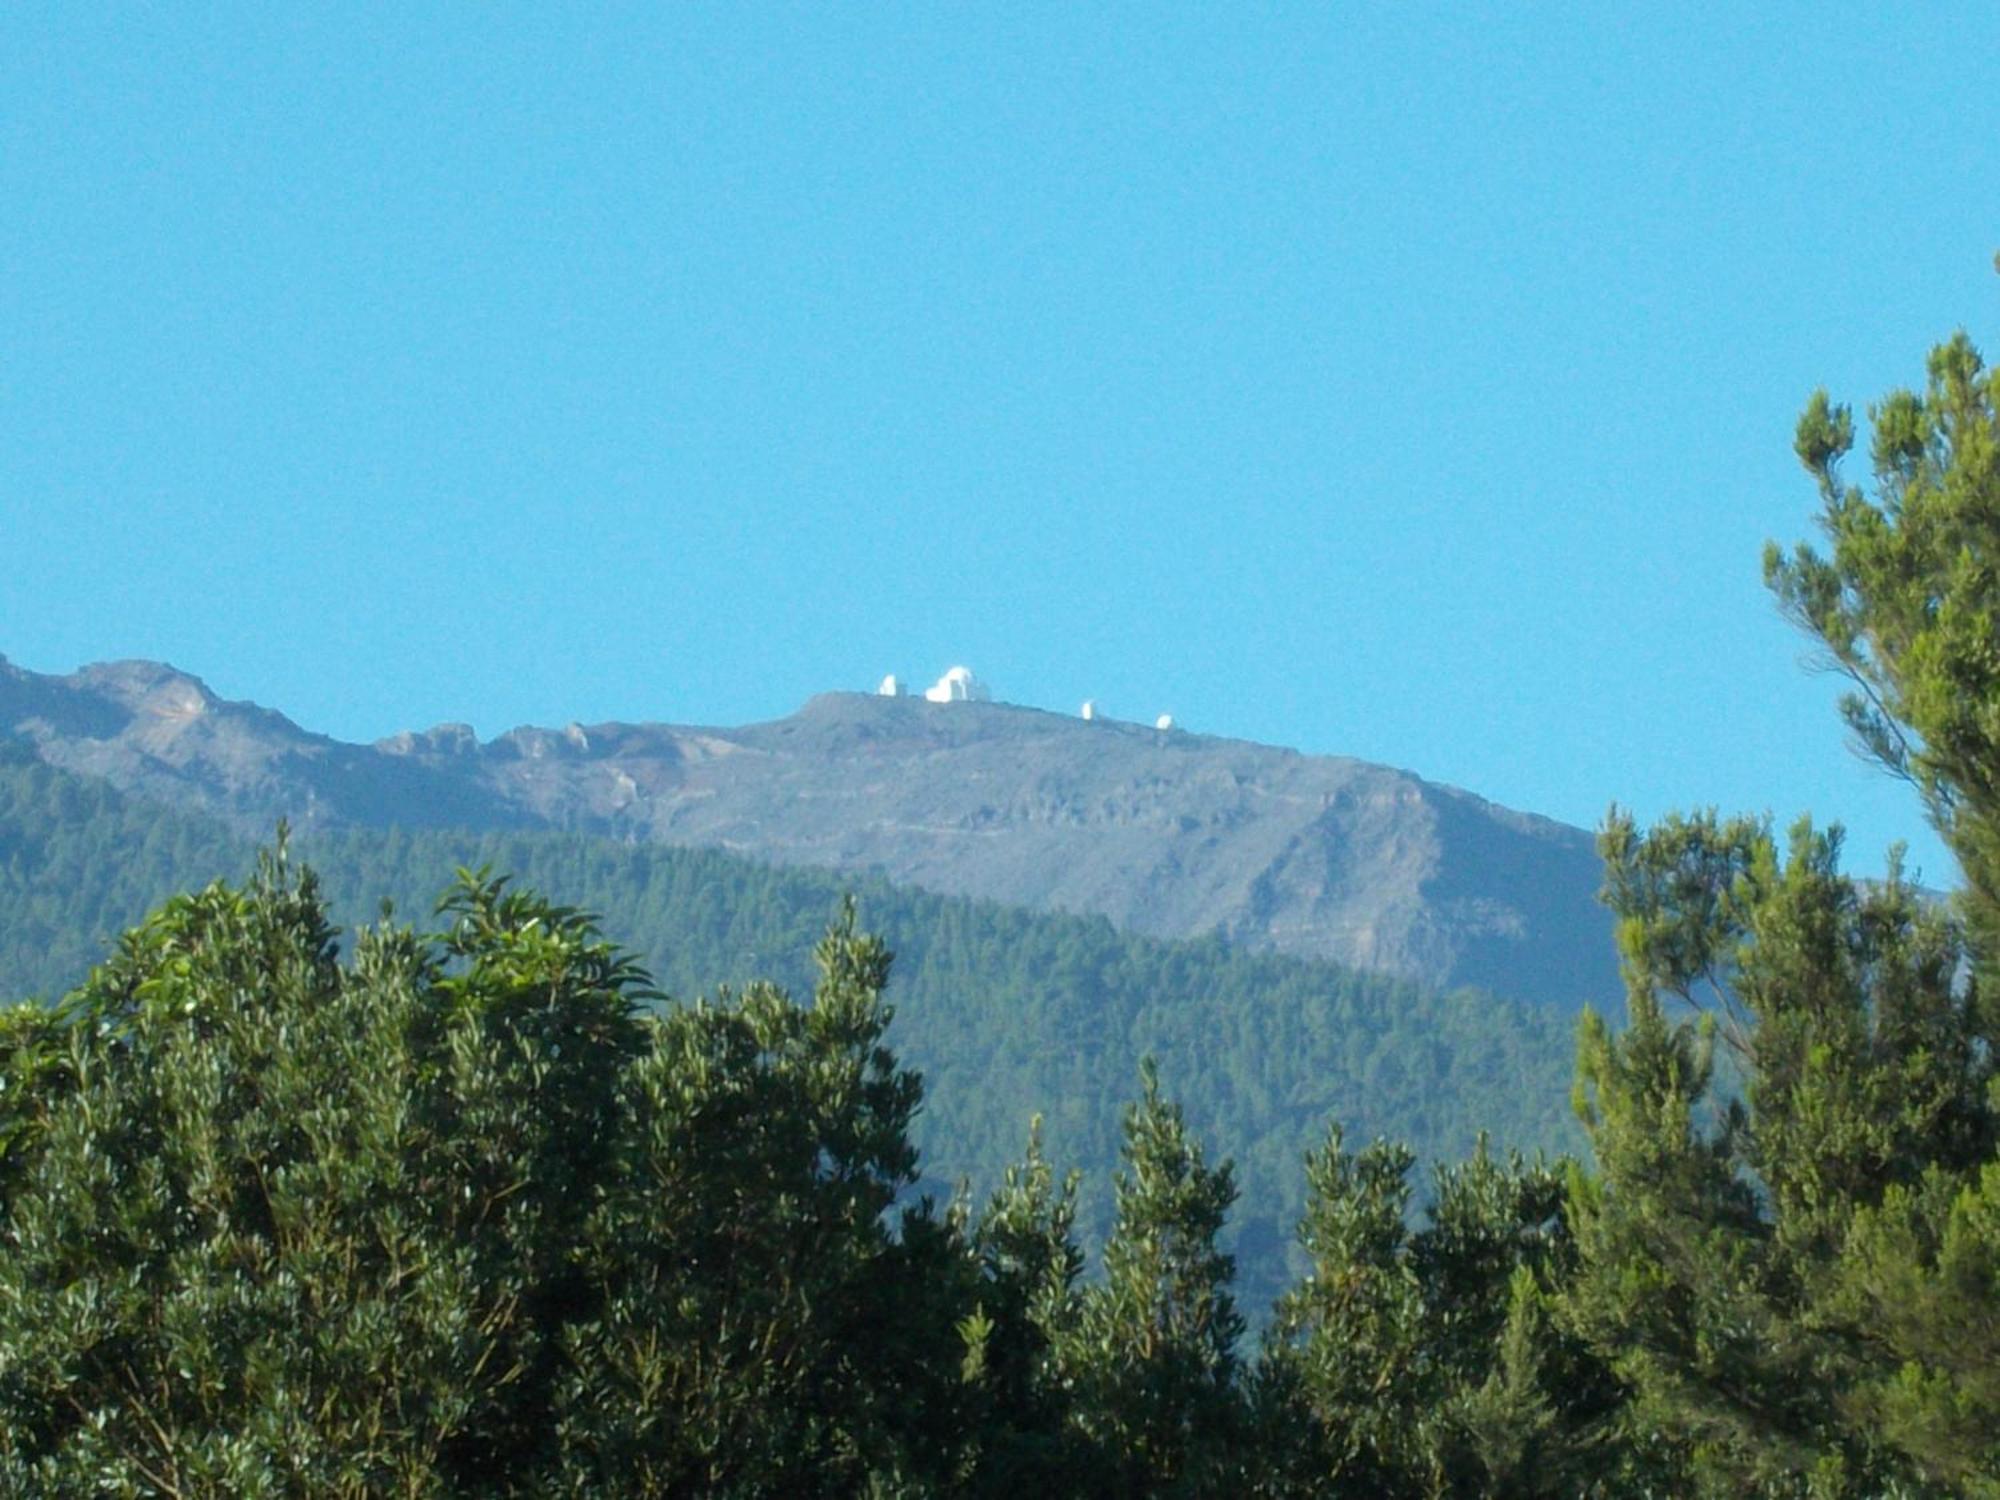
<point x="1006" y="1013"/>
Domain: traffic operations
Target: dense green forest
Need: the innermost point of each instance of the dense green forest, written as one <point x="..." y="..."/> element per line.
<point x="464" y="1210"/>
<point x="1005" y="1013"/>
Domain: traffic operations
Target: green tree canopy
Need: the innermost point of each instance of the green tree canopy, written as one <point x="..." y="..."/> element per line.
<point x="459" y="1216"/>
<point x="1798" y="1274"/>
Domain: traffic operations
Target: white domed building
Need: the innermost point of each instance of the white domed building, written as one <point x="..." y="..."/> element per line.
<point x="958" y="686"/>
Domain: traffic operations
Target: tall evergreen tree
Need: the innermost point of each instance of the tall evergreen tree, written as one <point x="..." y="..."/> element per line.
<point x="1798" y="1273"/>
<point x="1428" y="1362"/>
<point x="1905" y="601"/>
<point x="1151" y="1351"/>
<point x="1028" y="1268"/>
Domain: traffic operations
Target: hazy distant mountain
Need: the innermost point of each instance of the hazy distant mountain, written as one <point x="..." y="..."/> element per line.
<point x="1165" y="832"/>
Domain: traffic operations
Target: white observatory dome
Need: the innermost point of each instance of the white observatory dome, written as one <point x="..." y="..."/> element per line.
<point x="1165" y="721"/>
<point x="892" y="687"/>
<point x="958" y="686"/>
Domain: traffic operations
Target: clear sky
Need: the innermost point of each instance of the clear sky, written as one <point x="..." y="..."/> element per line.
<point x="1404" y="382"/>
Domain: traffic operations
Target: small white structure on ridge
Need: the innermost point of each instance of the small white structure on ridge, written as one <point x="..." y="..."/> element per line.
<point x="1089" y="709"/>
<point x="958" y="686"/>
<point x="892" y="687"/>
<point x="1165" y="721"/>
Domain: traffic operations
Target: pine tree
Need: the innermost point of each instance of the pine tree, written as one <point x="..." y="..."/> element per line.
<point x="1428" y="1362"/>
<point x="1792" y="1258"/>
<point x="1028" y="1266"/>
<point x="1725" y="1232"/>
<point x="1151" y="1351"/>
<point x="1905" y="602"/>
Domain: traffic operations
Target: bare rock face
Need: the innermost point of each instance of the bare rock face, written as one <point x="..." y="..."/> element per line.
<point x="1168" y="833"/>
<point x="160" y="733"/>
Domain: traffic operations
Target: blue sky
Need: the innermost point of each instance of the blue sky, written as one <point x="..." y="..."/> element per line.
<point x="1405" y="382"/>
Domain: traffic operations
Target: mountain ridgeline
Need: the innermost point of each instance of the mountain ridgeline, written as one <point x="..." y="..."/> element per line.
<point x="1165" y="833"/>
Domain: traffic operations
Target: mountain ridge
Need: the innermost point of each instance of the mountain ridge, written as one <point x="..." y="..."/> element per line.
<point x="1165" y="832"/>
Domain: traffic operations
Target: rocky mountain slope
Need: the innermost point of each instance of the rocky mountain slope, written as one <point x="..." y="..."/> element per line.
<point x="1164" y="832"/>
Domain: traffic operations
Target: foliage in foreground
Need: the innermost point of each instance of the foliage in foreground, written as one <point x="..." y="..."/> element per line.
<point x="1799" y="1284"/>
<point x="465" y="1215"/>
<point x="455" y="1217"/>
<point x="1006" y="1013"/>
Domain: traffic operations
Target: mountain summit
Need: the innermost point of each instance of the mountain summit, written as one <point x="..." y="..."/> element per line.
<point x="1164" y="832"/>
